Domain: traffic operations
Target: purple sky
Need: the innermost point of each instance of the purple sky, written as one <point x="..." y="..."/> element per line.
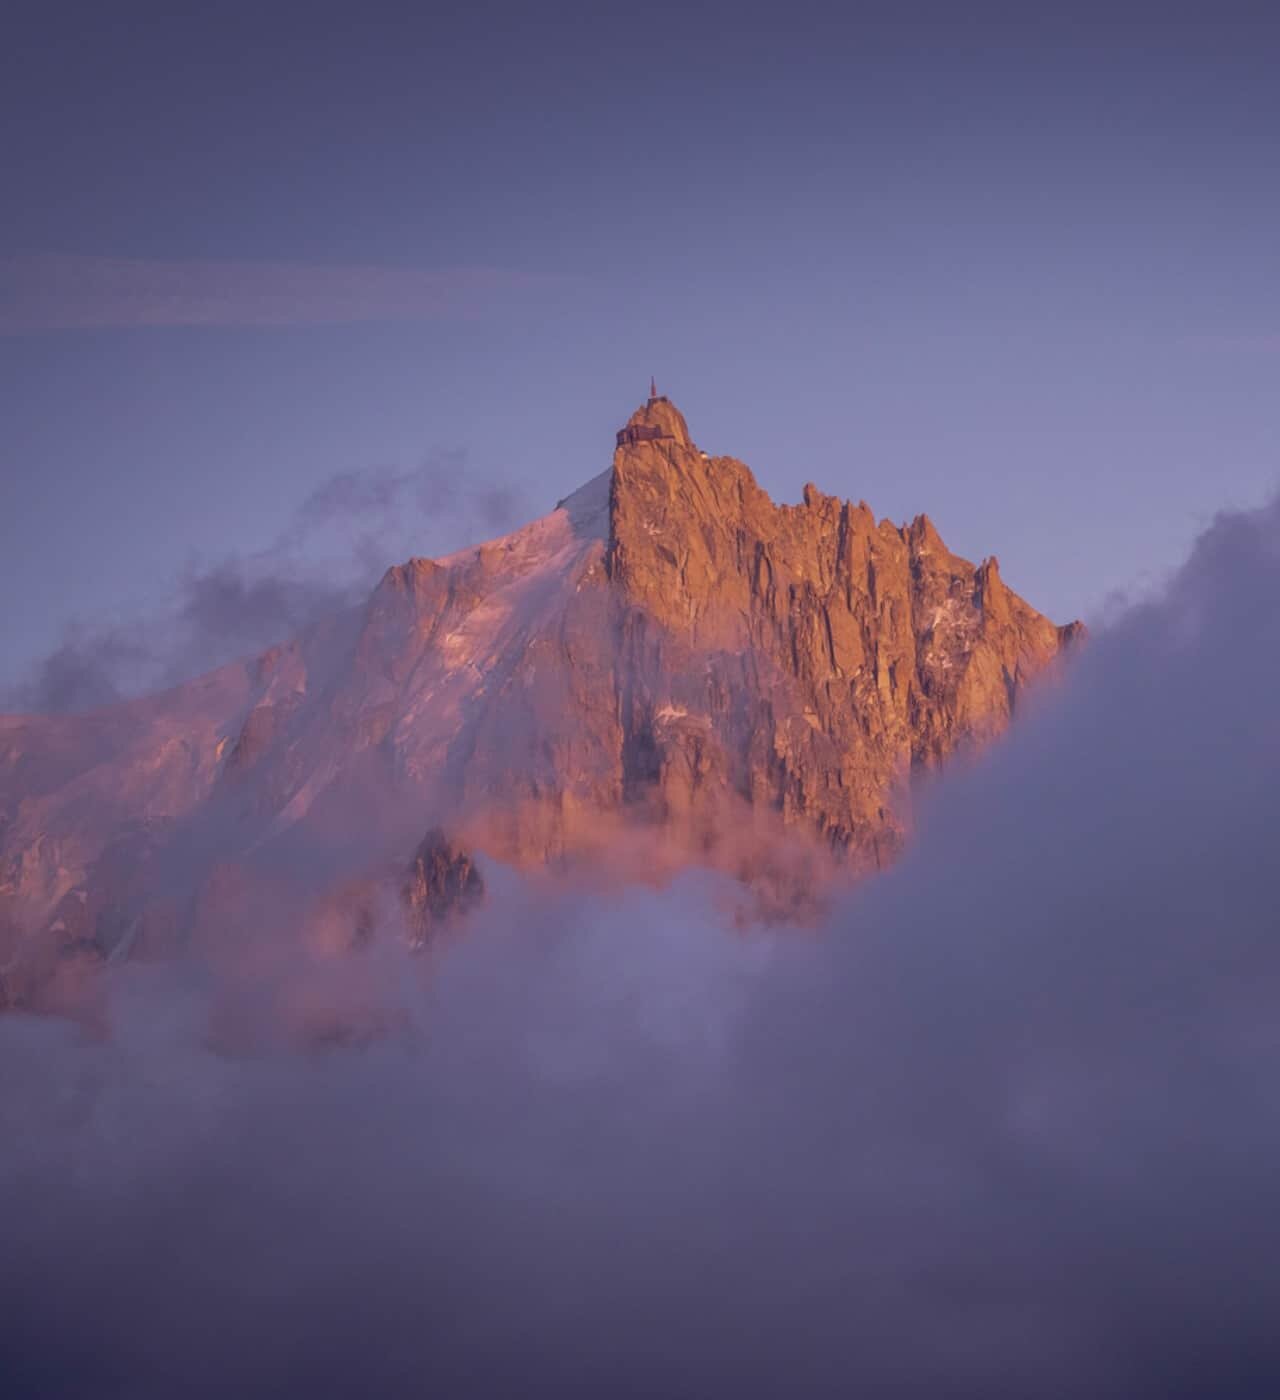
<point x="1017" y="269"/>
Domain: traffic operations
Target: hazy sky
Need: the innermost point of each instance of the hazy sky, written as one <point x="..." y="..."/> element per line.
<point x="1017" y="265"/>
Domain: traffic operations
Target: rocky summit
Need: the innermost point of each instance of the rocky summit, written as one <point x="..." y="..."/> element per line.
<point x="668" y="669"/>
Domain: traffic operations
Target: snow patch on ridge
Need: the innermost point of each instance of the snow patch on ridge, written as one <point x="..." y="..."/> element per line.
<point x="505" y="594"/>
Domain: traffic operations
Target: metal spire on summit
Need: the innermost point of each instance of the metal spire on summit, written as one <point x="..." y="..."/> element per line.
<point x="658" y="420"/>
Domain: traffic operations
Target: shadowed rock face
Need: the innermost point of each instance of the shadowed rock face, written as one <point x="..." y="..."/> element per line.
<point x="443" y="884"/>
<point x="669" y="668"/>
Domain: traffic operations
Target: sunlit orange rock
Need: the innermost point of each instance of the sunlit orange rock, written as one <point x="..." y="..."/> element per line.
<point x="667" y="669"/>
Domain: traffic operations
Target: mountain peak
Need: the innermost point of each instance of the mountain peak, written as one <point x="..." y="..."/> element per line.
<point x="656" y="420"/>
<point x="668" y="658"/>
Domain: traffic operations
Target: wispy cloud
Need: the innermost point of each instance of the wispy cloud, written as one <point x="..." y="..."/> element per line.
<point x="1261" y="342"/>
<point x="46" y="292"/>
<point x="341" y="537"/>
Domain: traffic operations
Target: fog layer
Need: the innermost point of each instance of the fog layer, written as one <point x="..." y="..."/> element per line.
<point x="1008" y="1126"/>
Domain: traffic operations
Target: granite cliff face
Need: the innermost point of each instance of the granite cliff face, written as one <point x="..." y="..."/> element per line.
<point x="669" y="668"/>
<point x="443" y="884"/>
<point x="808" y="656"/>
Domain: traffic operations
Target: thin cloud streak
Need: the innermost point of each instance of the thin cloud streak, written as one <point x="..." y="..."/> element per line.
<point x="1262" y="343"/>
<point x="47" y="292"/>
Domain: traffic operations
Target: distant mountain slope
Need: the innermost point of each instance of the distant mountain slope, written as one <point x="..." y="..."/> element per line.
<point x="667" y="669"/>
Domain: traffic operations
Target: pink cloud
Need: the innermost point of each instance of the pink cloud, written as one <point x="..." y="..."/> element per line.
<point x="70" y="292"/>
<point x="1264" y="342"/>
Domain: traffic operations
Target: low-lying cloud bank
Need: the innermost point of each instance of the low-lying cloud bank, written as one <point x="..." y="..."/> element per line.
<point x="1009" y="1127"/>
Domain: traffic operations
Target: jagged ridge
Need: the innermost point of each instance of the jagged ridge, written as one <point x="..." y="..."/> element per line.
<point x="668" y="656"/>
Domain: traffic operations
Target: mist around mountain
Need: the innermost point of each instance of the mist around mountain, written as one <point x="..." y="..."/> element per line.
<point x="1004" y="1124"/>
<point x="668" y="671"/>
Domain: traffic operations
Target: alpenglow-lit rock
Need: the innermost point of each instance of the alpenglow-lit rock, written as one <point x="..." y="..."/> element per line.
<point x="667" y="669"/>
